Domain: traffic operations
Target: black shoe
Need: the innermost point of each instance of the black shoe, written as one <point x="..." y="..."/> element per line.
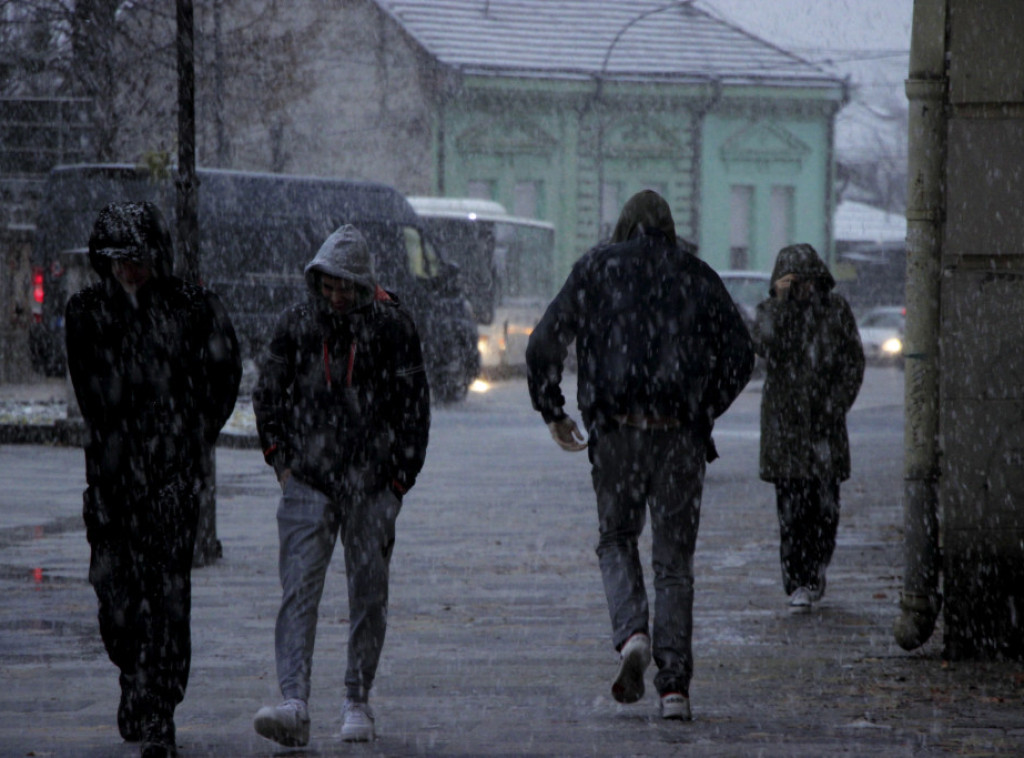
<point x="129" y="722"/>
<point x="158" y="741"/>
<point x="158" y="750"/>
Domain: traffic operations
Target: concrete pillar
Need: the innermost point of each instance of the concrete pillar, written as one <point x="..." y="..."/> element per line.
<point x="981" y="391"/>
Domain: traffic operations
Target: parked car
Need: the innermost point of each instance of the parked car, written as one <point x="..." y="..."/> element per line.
<point x="881" y="332"/>
<point x="747" y="288"/>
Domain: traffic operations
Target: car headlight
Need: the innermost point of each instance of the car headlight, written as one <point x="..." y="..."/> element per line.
<point x="892" y="346"/>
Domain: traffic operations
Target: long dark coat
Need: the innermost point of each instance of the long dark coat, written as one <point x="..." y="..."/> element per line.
<point x="155" y="380"/>
<point x="814" y="369"/>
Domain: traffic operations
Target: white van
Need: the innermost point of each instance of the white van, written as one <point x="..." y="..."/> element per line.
<point x="506" y="270"/>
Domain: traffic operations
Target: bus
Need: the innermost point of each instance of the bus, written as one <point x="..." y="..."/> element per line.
<point x="506" y="268"/>
<point x="256" y="233"/>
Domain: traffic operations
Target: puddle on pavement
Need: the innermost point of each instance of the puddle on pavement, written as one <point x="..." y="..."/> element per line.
<point x="14" y="535"/>
<point x="38" y="576"/>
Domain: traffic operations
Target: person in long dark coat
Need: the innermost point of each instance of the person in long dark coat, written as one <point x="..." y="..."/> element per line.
<point x="662" y="352"/>
<point x="155" y="366"/>
<point x="814" y="367"/>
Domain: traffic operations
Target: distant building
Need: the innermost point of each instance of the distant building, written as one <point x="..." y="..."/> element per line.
<point x="560" y="111"/>
<point x="870" y="255"/>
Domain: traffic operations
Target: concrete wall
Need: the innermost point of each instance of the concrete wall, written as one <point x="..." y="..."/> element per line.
<point x="982" y="327"/>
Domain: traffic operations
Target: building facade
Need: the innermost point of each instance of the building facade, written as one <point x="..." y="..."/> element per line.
<point x="560" y="111"/>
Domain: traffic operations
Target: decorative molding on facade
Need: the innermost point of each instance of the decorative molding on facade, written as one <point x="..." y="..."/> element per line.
<point x="764" y="143"/>
<point x="506" y="136"/>
<point x="754" y="108"/>
<point x="641" y="137"/>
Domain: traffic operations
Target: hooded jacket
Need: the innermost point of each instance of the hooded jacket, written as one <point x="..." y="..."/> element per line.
<point x="342" y="398"/>
<point x="814" y="366"/>
<point x="155" y="375"/>
<point x="656" y="332"/>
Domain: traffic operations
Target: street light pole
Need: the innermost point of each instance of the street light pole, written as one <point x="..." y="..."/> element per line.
<point x="598" y="92"/>
<point x="207" y="547"/>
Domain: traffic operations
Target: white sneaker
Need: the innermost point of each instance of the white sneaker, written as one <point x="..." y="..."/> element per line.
<point x="628" y="686"/>
<point x="800" y="600"/>
<point x="357" y="725"/>
<point x="675" y="706"/>
<point x="286" y="724"/>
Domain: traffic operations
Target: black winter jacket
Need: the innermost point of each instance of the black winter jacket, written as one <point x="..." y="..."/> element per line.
<point x="342" y="399"/>
<point x="155" y="382"/>
<point x="656" y="334"/>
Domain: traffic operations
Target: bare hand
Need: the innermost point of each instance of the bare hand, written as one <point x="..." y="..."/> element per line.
<point x="285" y="476"/>
<point x="783" y="283"/>
<point x="567" y="435"/>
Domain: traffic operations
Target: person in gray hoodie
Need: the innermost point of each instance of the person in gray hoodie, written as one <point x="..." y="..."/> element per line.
<point x="343" y="413"/>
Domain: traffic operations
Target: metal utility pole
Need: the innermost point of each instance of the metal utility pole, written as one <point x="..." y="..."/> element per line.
<point x="208" y="547"/>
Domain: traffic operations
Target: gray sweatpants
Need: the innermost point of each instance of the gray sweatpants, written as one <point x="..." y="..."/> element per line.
<point x="662" y="470"/>
<point x="308" y="525"/>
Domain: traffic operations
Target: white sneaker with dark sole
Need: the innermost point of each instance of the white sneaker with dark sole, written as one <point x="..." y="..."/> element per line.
<point x="800" y="600"/>
<point x="286" y="724"/>
<point x="357" y="722"/>
<point x="675" y="706"/>
<point x="628" y="686"/>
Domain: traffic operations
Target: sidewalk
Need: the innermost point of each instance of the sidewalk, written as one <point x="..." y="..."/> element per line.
<point x="498" y="633"/>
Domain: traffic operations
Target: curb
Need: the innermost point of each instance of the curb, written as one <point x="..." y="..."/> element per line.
<point x="63" y="433"/>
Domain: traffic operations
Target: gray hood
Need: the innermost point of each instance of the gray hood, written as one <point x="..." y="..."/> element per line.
<point x="344" y="255"/>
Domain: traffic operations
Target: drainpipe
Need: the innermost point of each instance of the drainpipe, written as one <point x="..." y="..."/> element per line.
<point x="926" y="89"/>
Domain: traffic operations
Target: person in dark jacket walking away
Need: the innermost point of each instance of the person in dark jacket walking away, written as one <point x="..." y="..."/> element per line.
<point x="662" y="352"/>
<point x="155" y="366"/>
<point x="343" y="412"/>
<point x="814" y="366"/>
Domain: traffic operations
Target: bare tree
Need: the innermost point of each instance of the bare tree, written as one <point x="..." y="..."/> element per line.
<point x="875" y="171"/>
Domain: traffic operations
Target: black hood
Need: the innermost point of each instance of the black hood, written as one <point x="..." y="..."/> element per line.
<point x="645" y="213"/>
<point x="803" y="261"/>
<point x="131" y="231"/>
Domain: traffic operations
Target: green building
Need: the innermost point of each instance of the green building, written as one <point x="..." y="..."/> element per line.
<point x="562" y="110"/>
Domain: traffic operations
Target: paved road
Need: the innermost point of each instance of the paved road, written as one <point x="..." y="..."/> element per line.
<point x="498" y="642"/>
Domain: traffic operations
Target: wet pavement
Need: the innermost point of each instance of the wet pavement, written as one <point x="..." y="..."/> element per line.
<point x="498" y="641"/>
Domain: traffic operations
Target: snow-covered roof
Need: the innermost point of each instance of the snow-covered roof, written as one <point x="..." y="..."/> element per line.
<point x="858" y="222"/>
<point x="588" y="38"/>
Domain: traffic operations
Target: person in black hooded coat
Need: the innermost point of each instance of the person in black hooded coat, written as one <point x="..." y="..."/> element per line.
<point x="155" y="367"/>
<point x="814" y="369"/>
<point x="662" y="352"/>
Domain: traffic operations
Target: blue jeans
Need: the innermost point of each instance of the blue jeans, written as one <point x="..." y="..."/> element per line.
<point x="308" y="525"/>
<point x="662" y="470"/>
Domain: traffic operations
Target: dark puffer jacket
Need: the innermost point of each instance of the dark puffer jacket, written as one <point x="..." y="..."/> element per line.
<point x="155" y="379"/>
<point x="342" y="399"/>
<point x="814" y="369"/>
<point x="656" y="331"/>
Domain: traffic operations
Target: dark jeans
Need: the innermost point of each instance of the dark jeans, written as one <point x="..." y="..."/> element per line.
<point x="808" y="520"/>
<point x="662" y="470"/>
<point x="142" y="574"/>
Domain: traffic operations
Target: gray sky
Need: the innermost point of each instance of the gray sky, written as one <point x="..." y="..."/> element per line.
<point x="866" y="40"/>
<point x="816" y="28"/>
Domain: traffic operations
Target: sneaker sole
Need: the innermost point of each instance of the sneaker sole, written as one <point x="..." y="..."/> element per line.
<point x="356" y="734"/>
<point x="628" y="686"/>
<point x="676" y="712"/>
<point x="268" y="727"/>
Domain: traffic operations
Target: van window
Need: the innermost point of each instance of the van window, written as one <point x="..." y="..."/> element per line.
<point x="423" y="258"/>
